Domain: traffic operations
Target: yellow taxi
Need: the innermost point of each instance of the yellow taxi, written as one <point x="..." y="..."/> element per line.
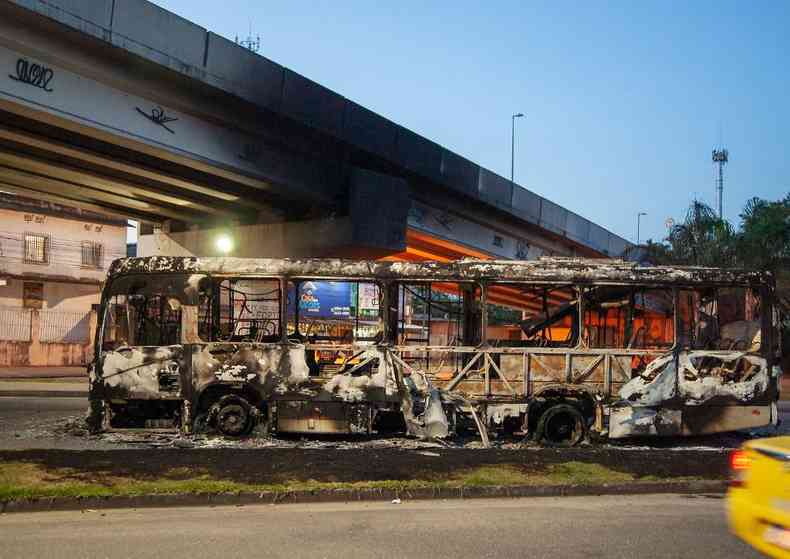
<point x="758" y="502"/>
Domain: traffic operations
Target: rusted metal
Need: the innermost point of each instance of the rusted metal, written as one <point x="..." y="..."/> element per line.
<point x="643" y="391"/>
<point x="553" y="270"/>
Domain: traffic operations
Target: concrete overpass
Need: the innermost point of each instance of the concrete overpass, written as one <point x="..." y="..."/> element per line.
<point x="123" y="107"/>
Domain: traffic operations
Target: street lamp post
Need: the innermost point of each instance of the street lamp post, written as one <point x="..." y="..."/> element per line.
<point x="638" y="218"/>
<point x="513" y="143"/>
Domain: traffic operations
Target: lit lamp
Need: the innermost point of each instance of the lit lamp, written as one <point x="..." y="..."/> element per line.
<point x="224" y="244"/>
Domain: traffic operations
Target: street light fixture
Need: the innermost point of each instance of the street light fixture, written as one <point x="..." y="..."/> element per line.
<point x="638" y="218"/>
<point x="224" y="243"/>
<point x="513" y="143"/>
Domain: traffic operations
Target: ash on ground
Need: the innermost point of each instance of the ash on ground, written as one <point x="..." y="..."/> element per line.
<point x="70" y="432"/>
<point x="74" y="428"/>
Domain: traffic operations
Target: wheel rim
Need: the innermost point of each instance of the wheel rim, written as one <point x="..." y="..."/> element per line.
<point x="561" y="428"/>
<point x="232" y="419"/>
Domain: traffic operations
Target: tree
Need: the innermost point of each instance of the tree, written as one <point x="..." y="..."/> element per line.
<point x="764" y="237"/>
<point x="650" y="252"/>
<point x="702" y="239"/>
<point x="761" y="242"/>
<point x="764" y="244"/>
<point x="706" y="239"/>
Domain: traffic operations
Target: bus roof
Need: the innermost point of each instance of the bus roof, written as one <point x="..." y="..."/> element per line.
<point x="542" y="270"/>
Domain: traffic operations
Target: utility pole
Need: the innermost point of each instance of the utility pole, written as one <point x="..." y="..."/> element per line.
<point x="513" y="144"/>
<point x="638" y="219"/>
<point x="720" y="157"/>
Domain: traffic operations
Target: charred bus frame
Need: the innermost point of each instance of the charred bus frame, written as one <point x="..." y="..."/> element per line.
<point x="601" y="347"/>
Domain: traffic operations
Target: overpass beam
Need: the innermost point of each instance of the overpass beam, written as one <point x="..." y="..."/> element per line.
<point x="53" y="187"/>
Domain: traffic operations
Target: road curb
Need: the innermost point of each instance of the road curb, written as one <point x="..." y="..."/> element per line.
<point x="348" y="495"/>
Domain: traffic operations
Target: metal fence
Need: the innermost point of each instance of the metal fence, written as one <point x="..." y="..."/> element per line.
<point x="15" y="324"/>
<point x="68" y="327"/>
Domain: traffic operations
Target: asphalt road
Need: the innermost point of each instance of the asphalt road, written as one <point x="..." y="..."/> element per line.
<point x="30" y="422"/>
<point x="643" y="526"/>
<point x="19" y="409"/>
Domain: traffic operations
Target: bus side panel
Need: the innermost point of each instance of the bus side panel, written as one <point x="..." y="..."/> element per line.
<point x="696" y="392"/>
<point x="142" y="373"/>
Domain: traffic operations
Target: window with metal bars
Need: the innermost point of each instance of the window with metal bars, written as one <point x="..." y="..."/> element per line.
<point x="528" y="315"/>
<point x="141" y="320"/>
<point x="239" y="309"/>
<point x="628" y="317"/>
<point x="436" y="314"/>
<point x="92" y="254"/>
<point x="36" y="248"/>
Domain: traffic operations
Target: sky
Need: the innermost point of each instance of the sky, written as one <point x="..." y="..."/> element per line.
<point x="624" y="101"/>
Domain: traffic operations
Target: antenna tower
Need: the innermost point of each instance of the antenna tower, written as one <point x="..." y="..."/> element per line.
<point x="252" y="44"/>
<point x="720" y="158"/>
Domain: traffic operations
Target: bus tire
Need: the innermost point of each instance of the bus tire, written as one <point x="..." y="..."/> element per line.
<point x="561" y="425"/>
<point x="233" y="415"/>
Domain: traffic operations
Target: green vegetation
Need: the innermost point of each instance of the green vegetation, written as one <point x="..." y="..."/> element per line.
<point x="505" y="474"/>
<point x="24" y="480"/>
<point x="761" y="241"/>
<point x="20" y="480"/>
<point x="566" y="473"/>
<point x="586" y="473"/>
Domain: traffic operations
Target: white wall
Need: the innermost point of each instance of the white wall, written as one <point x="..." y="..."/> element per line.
<point x="11" y="293"/>
<point x="58" y="296"/>
<point x="66" y="237"/>
<point x="68" y="286"/>
<point x="70" y="297"/>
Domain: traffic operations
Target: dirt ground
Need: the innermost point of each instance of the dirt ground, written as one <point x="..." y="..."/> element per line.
<point x="362" y="464"/>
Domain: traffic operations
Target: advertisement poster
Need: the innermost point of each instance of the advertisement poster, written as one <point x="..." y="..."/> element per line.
<point x="325" y="299"/>
<point x="337" y="299"/>
<point x="368" y="301"/>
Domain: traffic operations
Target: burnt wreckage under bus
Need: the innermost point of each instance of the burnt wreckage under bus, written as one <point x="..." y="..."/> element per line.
<point x="555" y="348"/>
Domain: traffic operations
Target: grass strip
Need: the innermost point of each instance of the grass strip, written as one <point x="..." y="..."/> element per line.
<point x="25" y="480"/>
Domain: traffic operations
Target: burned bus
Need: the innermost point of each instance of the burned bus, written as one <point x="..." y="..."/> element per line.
<point x="556" y="349"/>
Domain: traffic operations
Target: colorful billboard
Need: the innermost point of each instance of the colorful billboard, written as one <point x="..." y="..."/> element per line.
<point x="338" y="299"/>
<point x="325" y="299"/>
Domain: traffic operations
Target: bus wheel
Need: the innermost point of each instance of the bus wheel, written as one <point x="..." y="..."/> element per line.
<point x="233" y="416"/>
<point x="561" y="425"/>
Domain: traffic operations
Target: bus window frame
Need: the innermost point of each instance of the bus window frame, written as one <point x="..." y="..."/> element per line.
<point x="216" y="280"/>
<point x="183" y="296"/>
<point x="384" y="306"/>
<point x="482" y="301"/>
<point x="632" y="351"/>
<point x="296" y="281"/>
<point x="555" y="285"/>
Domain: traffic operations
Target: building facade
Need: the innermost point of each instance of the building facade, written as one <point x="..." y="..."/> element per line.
<point x="53" y="260"/>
